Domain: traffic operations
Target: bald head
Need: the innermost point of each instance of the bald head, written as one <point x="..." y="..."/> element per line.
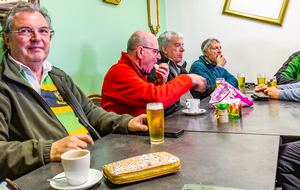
<point x="142" y="48"/>
<point x="139" y="38"/>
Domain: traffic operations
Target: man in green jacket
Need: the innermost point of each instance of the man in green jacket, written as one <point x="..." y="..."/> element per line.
<point x="290" y="71"/>
<point x="42" y="112"/>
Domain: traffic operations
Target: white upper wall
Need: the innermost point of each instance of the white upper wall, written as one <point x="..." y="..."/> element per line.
<point x="249" y="46"/>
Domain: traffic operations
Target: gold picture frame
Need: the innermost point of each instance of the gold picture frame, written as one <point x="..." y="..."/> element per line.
<point x="115" y="2"/>
<point x="154" y="31"/>
<point x="275" y="21"/>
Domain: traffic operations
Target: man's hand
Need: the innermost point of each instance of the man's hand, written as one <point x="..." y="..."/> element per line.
<point x="72" y="142"/>
<point x="162" y="72"/>
<point x="138" y="123"/>
<point x="261" y="88"/>
<point x="221" y="61"/>
<point x="199" y="83"/>
<point x="272" y="92"/>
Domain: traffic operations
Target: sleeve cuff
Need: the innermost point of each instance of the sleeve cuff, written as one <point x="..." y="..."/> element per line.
<point x="46" y="150"/>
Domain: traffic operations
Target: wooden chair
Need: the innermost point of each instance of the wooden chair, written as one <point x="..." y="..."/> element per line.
<point x="95" y="98"/>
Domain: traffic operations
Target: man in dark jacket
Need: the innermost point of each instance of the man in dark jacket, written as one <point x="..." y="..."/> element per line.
<point x="171" y="50"/>
<point x="42" y="112"/>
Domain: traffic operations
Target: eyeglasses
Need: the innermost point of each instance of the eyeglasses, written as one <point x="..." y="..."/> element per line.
<point x="45" y="32"/>
<point x="156" y="50"/>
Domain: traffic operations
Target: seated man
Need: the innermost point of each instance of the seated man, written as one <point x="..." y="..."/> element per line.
<point x="171" y="51"/>
<point x="125" y="87"/>
<point x="290" y="70"/>
<point x="42" y="112"/>
<point x="282" y="92"/>
<point x="211" y="64"/>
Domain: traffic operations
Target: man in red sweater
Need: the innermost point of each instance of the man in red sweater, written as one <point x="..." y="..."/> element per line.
<point x="125" y="87"/>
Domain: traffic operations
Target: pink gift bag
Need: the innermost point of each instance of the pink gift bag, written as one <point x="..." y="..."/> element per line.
<point x="225" y="92"/>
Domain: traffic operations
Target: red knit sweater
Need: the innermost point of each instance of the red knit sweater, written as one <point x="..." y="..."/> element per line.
<point x="126" y="90"/>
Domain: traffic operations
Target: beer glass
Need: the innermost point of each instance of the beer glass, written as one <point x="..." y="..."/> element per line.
<point x="241" y="80"/>
<point x="218" y="80"/>
<point x="155" y="117"/>
<point x="261" y="78"/>
<point x="271" y="81"/>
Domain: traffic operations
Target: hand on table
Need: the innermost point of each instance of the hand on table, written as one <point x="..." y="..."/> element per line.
<point x="138" y="123"/>
<point x="261" y="88"/>
<point x="72" y="142"/>
<point x="221" y="61"/>
<point x="272" y="92"/>
<point x="162" y="72"/>
<point x="199" y="83"/>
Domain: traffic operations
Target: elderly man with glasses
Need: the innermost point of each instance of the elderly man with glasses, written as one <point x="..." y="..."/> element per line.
<point x="42" y="112"/>
<point x="125" y="87"/>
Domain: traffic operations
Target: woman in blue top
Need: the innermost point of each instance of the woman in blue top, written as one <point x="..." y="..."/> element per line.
<point x="211" y="64"/>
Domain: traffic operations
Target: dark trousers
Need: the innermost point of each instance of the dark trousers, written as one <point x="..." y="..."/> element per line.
<point x="288" y="168"/>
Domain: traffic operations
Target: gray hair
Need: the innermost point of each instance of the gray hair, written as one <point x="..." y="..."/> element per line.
<point x="164" y="38"/>
<point x="206" y="44"/>
<point x="136" y="40"/>
<point x="7" y="23"/>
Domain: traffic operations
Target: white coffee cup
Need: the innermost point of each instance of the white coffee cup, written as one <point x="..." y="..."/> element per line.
<point x="193" y="105"/>
<point x="76" y="164"/>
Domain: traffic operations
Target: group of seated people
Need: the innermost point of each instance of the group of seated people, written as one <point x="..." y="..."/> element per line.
<point x="132" y="83"/>
<point x="44" y="114"/>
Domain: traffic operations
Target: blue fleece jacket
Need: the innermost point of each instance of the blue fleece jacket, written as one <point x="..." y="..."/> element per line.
<point x="289" y="91"/>
<point x="210" y="72"/>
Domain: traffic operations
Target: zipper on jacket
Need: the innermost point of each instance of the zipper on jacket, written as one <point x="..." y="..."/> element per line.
<point x="77" y="110"/>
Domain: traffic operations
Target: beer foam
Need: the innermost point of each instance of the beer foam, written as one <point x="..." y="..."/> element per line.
<point x="154" y="106"/>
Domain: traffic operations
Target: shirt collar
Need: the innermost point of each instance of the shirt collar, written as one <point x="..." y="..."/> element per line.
<point x="209" y="61"/>
<point x="180" y="63"/>
<point x="47" y="67"/>
<point x="165" y="59"/>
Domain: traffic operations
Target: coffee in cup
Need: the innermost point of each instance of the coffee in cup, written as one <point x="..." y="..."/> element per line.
<point x="193" y="105"/>
<point x="76" y="164"/>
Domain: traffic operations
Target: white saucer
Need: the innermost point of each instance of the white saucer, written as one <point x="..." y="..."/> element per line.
<point x="198" y="112"/>
<point x="93" y="178"/>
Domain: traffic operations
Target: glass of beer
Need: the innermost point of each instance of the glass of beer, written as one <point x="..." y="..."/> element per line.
<point x="218" y="80"/>
<point x="241" y="80"/>
<point x="261" y="78"/>
<point x="155" y="117"/>
<point x="271" y="81"/>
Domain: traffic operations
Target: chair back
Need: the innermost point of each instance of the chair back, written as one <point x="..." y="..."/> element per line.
<point x="95" y="98"/>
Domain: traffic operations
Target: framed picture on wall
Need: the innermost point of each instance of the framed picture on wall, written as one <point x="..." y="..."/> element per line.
<point x="115" y="2"/>
<point x="267" y="11"/>
<point x="6" y="5"/>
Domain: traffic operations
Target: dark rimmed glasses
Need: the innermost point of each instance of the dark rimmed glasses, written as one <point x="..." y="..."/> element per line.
<point x="156" y="50"/>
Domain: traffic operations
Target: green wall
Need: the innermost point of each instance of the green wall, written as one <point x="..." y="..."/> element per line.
<point x="90" y="35"/>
